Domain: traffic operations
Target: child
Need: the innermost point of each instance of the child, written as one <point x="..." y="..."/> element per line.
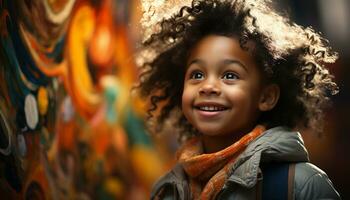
<point x="243" y="77"/>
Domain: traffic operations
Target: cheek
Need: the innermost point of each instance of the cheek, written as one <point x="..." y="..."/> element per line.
<point x="236" y="94"/>
<point x="187" y="100"/>
<point x="241" y="99"/>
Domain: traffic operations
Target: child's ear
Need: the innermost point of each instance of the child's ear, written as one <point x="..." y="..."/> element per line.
<point x="269" y="97"/>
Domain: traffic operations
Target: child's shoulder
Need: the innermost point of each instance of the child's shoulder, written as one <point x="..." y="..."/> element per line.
<point x="170" y="184"/>
<point x="312" y="183"/>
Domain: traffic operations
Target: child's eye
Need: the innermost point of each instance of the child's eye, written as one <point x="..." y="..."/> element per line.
<point x="230" y="76"/>
<point x="197" y="75"/>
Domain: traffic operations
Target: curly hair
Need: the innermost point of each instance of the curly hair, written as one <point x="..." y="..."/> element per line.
<point x="289" y="55"/>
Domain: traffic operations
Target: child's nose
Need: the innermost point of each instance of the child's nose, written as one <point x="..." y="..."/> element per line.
<point x="210" y="88"/>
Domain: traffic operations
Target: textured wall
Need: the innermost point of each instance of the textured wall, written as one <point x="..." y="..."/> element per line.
<point x="69" y="126"/>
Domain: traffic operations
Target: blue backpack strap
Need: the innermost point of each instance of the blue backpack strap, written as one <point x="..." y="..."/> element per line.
<point x="278" y="181"/>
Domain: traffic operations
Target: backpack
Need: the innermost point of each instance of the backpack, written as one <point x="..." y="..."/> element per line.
<point x="278" y="181"/>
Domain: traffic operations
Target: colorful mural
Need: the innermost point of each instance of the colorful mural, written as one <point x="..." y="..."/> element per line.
<point x="70" y="128"/>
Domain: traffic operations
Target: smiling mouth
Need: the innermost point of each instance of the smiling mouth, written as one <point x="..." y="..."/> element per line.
<point x="211" y="108"/>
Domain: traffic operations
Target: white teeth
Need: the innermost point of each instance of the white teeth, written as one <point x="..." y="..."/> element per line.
<point x="211" y="108"/>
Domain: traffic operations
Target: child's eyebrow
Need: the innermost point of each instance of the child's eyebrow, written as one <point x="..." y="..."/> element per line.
<point x="196" y="61"/>
<point x="226" y="62"/>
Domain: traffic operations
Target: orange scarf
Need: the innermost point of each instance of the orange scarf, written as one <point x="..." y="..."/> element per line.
<point x="213" y="169"/>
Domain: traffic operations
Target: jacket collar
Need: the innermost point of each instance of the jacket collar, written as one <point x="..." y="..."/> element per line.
<point x="276" y="144"/>
<point x="176" y="178"/>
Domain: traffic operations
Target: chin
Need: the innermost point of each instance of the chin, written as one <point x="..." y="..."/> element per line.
<point x="209" y="131"/>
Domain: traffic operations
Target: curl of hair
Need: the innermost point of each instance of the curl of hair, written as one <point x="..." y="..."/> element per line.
<point x="289" y="55"/>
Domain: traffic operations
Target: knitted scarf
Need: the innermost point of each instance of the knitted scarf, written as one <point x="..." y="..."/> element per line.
<point x="209" y="172"/>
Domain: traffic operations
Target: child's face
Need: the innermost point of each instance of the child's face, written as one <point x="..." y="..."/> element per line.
<point x="222" y="87"/>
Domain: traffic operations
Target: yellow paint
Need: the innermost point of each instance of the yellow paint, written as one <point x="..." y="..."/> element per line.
<point x="84" y="94"/>
<point x="43" y="100"/>
<point x="147" y="164"/>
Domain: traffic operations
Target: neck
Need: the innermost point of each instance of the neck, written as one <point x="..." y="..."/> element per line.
<point x="217" y="143"/>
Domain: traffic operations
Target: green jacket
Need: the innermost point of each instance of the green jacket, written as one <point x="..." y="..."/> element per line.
<point x="278" y="144"/>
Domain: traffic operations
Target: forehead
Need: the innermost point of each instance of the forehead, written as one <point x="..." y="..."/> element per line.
<point x="215" y="48"/>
